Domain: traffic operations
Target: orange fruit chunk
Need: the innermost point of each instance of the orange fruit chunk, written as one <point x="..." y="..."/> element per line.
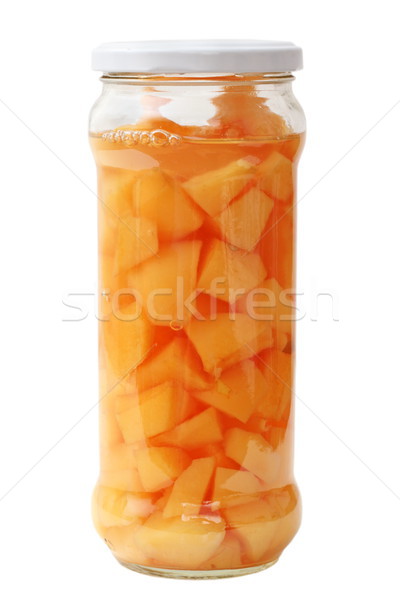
<point x="225" y="341"/>
<point x="266" y="526"/>
<point x="237" y="391"/>
<point x="121" y="543"/>
<point x="190" y="488"/>
<point x="228" y="555"/>
<point x="269" y="302"/>
<point x="277" y="369"/>
<point x="214" y="190"/>
<point x="176" y="361"/>
<point x="127" y="341"/>
<point x="107" y="224"/>
<point x="285" y="531"/>
<point x="276" y="177"/>
<point x="252" y="452"/>
<point x="166" y="281"/>
<point x="115" y="190"/>
<point x="227" y="271"/>
<point x="136" y="240"/>
<point x="276" y="248"/>
<point x="178" y="543"/>
<point x="115" y="508"/>
<point x="161" y="199"/>
<point x="152" y="412"/>
<point x="200" y="430"/>
<point x="233" y="486"/>
<point x="118" y="456"/>
<point x="110" y="433"/>
<point x="159" y="467"/>
<point x="281" y="340"/>
<point x="254" y="525"/>
<point x="242" y="222"/>
<point x="127" y="480"/>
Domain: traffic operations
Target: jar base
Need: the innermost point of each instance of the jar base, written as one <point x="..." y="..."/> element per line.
<point x="186" y="574"/>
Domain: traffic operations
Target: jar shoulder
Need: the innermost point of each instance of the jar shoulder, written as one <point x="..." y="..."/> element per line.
<point x="202" y="111"/>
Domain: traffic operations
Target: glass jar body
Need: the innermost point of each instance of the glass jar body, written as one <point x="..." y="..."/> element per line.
<point x="196" y="187"/>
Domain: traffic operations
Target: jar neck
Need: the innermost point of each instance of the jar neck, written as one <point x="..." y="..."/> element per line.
<point x="227" y="79"/>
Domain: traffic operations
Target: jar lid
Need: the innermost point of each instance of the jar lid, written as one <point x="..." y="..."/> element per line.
<point x="197" y="56"/>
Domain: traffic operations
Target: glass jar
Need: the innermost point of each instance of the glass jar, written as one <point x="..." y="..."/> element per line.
<point x="196" y="146"/>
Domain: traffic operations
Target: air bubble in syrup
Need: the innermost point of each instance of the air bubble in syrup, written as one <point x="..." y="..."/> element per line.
<point x="127" y="139"/>
<point x="175" y="140"/>
<point x="176" y="325"/>
<point x="159" y="137"/>
<point x="144" y="137"/>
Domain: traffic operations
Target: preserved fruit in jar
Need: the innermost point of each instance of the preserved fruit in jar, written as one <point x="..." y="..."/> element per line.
<point x="196" y="284"/>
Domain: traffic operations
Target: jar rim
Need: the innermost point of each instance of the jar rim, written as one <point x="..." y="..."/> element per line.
<point x="172" y="79"/>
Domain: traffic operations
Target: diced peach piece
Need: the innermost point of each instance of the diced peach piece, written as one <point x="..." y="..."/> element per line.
<point x="277" y="369"/>
<point x="127" y="480"/>
<point x="228" y="556"/>
<point x="242" y="222"/>
<point x="254" y="525"/>
<point x="113" y="508"/>
<point x="118" y="456"/>
<point x="159" y="467"/>
<point x="110" y="433"/>
<point x="233" y="486"/>
<point x="226" y="270"/>
<point x="126" y="342"/>
<point x="276" y="177"/>
<point x="136" y="240"/>
<point x="266" y="526"/>
<point x="208" y="306"/>
<point x="281" y="340"/>
<point x="177" y="543"/>
<point x="113" y="293"/>
<point x="274" y="435"/>
<point x="271" y="303"/>
<point x="214" y="190"/>
<point x="202" y="429"/>
<point x="190" y="488"/>
<point x="121" y="542"/>
<point x="237" y="391"/>
<point x="166" y="282"/>
<point x="107" y="224"/>
<point x="225" y="341"/>
<point x="163" y="200"/>
<point x="285" y="531"/>
<point x="252" y="452"/>
<point x="161" y="503"/>
<point x="115" y="190"/>
<point x="276" y="248"/>
<point x="176" y="361"/>
<point x="216" y="450"/>
<point x="152" y="412"/>
<point x="282" y="500"/>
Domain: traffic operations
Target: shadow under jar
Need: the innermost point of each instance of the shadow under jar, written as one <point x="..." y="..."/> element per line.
<point x="196" y="146"/>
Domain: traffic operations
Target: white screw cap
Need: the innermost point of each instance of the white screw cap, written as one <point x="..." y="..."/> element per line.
<point x="198" y="56"/>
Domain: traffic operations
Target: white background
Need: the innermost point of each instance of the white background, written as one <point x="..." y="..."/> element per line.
<point x="347" y="444"/>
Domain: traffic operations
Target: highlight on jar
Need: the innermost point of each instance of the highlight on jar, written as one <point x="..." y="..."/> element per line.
<point x="196" y="336"/>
